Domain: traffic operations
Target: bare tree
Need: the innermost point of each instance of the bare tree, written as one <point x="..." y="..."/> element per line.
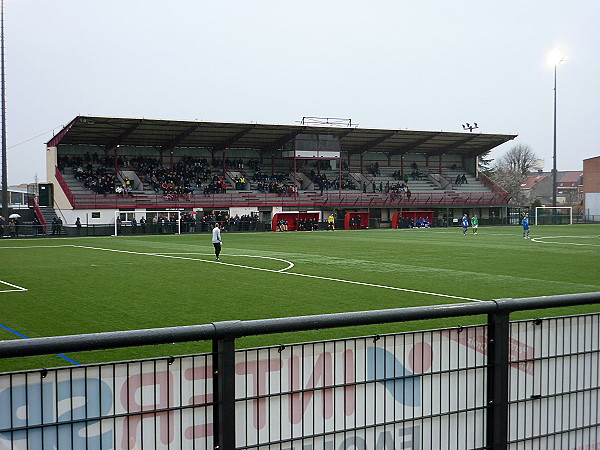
<point x="511" y="171"/>
<point x="511" y="182"/>
<point x="519" y="158"/>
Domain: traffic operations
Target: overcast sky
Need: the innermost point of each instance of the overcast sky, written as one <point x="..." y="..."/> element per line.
<point x="419" y="65"/>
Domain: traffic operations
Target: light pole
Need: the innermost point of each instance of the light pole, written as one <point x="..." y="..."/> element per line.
<point x="555" y="58"/>
<point x="3" y="107"/>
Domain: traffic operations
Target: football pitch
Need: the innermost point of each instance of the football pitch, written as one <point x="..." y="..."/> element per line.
<point x="65" y="286"/>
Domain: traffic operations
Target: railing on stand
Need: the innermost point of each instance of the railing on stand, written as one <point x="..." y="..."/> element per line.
<point x="495" y="187"/>
<point x="64" y="186"/>
<point x="301" y="199"/>
<point x="33" y="203"/>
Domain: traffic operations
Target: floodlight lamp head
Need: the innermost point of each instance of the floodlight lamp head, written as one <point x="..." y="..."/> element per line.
<point x="556" y="58"/>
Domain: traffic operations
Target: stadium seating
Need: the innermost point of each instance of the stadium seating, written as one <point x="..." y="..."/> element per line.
<point x="196" y="182"/>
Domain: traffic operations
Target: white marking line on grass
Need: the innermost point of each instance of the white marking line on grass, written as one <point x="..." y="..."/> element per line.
<point x="284" y="273"/>
<point x="36" y="246"/>
<point x="540" y="241"/>
<point x="16" y="288"/>
<point x="289" y="263"/>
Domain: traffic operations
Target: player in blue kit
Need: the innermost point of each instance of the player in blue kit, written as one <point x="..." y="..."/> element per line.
<point x="526" y="226"/>
<point x="465" y="224"/>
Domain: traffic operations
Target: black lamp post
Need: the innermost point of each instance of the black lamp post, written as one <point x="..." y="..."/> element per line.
<point x="3" y="95"/>
<point x="555" y="59"/>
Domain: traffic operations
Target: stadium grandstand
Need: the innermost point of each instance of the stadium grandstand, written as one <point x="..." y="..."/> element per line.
<point x="102" y="165"/>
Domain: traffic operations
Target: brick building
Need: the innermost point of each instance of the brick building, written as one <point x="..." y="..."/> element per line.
<point x="591" y="186"/>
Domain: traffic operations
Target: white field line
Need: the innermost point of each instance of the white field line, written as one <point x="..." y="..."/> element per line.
<point x="16" y="288"/>
<point x="36" y="246"/>
<point x="289" y="263"/>
<point x="541" y="241"/>
<point x="284" y="272"/>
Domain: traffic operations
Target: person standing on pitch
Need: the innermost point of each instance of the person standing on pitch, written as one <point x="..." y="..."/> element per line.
<point x="474" y="223"/>
<point x="465" y="223"/>
<point x="216" y="240"/>
<point x="526" y="226"/>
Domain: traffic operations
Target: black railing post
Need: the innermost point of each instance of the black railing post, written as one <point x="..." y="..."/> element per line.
<point x="497" y="380"/>
<point x="224" y="391"/>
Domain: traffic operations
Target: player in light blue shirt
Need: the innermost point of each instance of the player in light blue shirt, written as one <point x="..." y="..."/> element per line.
<point x="526" y="226"/>
<point x="465" y="224"/>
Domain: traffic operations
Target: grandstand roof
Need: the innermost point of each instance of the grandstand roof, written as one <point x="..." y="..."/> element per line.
<point x="110" y="132"/>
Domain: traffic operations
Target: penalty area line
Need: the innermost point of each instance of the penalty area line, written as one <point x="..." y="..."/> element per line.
<point x="285" y="272"/>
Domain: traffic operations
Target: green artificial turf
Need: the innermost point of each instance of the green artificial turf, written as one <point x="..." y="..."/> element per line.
<point x="87" y="285"/>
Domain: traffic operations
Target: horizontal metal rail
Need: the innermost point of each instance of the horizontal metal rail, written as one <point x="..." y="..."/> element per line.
<point x="238" y="328"/>
<point x="303" y="199"/>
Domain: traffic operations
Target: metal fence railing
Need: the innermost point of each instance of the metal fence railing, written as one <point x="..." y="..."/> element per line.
<point x="525" y="384"/>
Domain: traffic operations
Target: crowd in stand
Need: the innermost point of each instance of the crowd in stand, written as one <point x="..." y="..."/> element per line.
<point x="190" y="175"/>
<point x="274" y="183"/>
<point x="99" y="179"/>
<point x="397" y="188"/>
<point x="323" y="183"/>
<point x="415" y="175"/>
<point x="179" y="180"/>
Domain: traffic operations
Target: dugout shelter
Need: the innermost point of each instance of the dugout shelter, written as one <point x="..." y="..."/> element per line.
<point x="292" y="219"/>
<point x="361" y="220"/>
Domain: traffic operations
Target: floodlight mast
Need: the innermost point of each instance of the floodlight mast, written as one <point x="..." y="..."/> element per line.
<point x="3" y="106"/>
<point x="555" y="58"/>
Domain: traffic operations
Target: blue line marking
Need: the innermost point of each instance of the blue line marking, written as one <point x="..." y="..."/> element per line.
<point x="66" y="358"/>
